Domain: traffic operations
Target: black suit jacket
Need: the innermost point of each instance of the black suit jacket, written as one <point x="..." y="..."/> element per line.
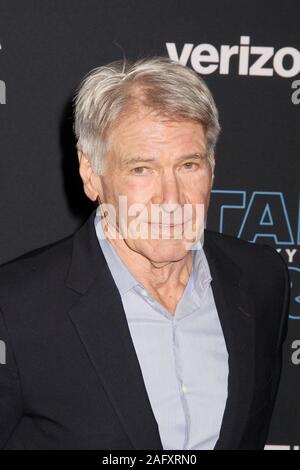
<point x="72" y="379"/>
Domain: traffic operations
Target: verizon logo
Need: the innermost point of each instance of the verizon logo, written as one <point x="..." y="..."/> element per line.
<point x="243" y="59"/>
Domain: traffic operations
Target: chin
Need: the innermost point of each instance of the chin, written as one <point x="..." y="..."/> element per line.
<point x="166" y="251"/>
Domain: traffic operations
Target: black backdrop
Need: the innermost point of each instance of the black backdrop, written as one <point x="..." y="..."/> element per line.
<point x="46" y="49"/>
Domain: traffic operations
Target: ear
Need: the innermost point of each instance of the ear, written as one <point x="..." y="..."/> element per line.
<point x="87" y="175"/>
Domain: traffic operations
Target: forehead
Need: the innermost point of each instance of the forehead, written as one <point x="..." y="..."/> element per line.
<point x="144" y="130"/>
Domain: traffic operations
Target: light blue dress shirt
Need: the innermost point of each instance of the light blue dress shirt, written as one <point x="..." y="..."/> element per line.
<point x="183" y="357"/>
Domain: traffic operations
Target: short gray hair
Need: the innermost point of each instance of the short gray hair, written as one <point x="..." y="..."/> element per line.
<point x="159" y="83"/>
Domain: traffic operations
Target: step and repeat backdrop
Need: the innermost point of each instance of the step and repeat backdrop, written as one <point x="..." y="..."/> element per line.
<point x="249" y="55"/>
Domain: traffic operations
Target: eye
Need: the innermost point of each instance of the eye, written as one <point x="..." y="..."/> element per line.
<point x="189" y="165"/>
<point x="138" y="170"/>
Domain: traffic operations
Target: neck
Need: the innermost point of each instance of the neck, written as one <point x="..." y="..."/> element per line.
<point x="166" y="281"/>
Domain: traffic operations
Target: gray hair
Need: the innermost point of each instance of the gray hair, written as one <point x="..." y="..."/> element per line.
<point x="159" y="83"/>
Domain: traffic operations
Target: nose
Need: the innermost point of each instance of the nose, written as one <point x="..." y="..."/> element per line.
<point x="169" y="193"/>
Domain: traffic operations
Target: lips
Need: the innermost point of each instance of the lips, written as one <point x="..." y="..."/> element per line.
<point x="166" y="225"/>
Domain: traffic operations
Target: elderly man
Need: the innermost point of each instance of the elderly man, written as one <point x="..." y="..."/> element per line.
<point x="143" y="330"/>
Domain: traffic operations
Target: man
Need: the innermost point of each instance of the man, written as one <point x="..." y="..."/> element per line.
<point x="143" y="330"/>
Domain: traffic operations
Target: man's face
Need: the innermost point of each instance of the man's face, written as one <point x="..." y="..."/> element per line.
<point x="154" y="161"/>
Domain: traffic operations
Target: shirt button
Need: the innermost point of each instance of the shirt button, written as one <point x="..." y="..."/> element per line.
<point x="184" y="388"/>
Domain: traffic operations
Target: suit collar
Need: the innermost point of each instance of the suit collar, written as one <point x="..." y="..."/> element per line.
<point x="87" y="258"/>
<point x="236" y="311"/>
<point x="101" y="323"/>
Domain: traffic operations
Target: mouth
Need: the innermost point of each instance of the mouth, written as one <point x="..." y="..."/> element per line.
<point x="169" y="225"/>
<point x="166" y="225"/>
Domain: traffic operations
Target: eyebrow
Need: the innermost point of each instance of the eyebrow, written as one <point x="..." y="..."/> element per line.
<point x="132" y="160"/>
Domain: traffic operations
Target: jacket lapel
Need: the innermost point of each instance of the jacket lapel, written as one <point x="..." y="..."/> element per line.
<point x="235" y="307"/>
<point x="101" y="323"/>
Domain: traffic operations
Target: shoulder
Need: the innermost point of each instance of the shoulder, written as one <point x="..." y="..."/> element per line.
<point x="244" y="253"/>
<point x="262" y="272"/>
<point x="36" y="269"/>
